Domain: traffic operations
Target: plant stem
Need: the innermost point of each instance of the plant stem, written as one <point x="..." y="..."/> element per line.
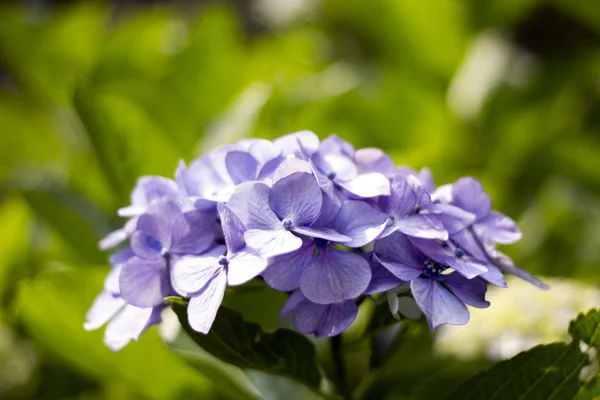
<point x="339" y="366"/>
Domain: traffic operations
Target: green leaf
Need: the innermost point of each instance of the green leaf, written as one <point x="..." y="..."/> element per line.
<point x="246" y="345"/>
<point x="585" y="328"/>
<point x="74" y="218"/>
<point x="544" y="372"/>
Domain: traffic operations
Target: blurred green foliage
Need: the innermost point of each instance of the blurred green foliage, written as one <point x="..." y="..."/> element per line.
<point x="93" y="95"/>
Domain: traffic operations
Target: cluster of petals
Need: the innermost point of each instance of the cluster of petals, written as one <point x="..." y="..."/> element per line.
<point x="317" y="219"/>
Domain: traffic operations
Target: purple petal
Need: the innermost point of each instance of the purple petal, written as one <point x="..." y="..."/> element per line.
<point x="360" y="222"/>
<point x="203" y="308"/>
<point x="146" y="246"/>
<point x="381" y="279"/>
<point x="144" y="283"/>
<point x="402" y="270"/>
<point x="233" y="229"/>
<point x="373" y="160"/>
<point x="323" y="233"/>
<point x="326" y="184"/>
<point x="128" y="325"/>
<point x="333" y="144"/>
<point x="466" y="266"/>
<point x="494" y="276"/>
<point x="506" y="264"/>
<point x="329" y="213"/>
<point x="439" y="305"/>
<point x="250" y="203"/>
<point x="298" y="198"/>
<point x="367" y="185"/>
<point x="336" y="164"/>
<point x="422" y="225"/>
<point x="291" y="303"/>
<point x="158" y="219"/>
<point x="283" y="272"/>
<point x="264" y="151"/>
<point x="244" y="266"/>
<point x="121" y="256"/>
<point x="189" y="274"/>
<point x="397" y="248"/>
<point x="104" y="308"/>
<point x="335" y="275"/>
<point x="193" y="232"/>
<point x="113" y="239"/>
<point x="469" y="243"/>
<point x="499" y="228"/>
<point x="453" y="218"/>
<point x="468" y="194"/>
<point x="324" y="320"/>
<point x="242" y="167"/>
<point x="148" y="189"/>
<point x="289" y="143"/>
<point x="402" y="199"/>
<point x="469" y="291"/>
<point x="290" y="166"/>
<point x="267" y="172"/>
<point x="270" y="243"/>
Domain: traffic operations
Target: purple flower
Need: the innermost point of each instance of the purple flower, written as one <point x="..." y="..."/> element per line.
<point x="439" y="294"/>
<point x="322" y="320"/>
<point x="125" y="322"/>
<point x="274" y="216"/>
<point x="403" y="206"/>
<point x="468" y="195"/>
<point x="335" y="165"/>
<point x="148" y="189"/>
<point x="324" y="273"/>
<point x="203" y="278"/>
<point x="163" y="232"/>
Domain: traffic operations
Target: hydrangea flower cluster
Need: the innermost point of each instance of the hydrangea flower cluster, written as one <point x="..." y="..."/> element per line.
<point x="325" y="222"/>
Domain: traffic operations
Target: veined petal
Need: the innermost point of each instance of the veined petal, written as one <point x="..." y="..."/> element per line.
<point x="326" y="184"/>
<point x="193" y="232"/>
<point x="499" y="228"/>
<point x="242" y="167"/>
<point x="467" y="240"/>
<point x="469" y="291"/>
<point x="146" y="246"/>
<point x="283" y="272"/>
<point x="233" y="229"/>
<point x="289" y="143"/>
<point x="360" y="222"/>
<point x="397" y="248"/>
<point x="402" y="271"/>
<point x="495" y="277"/>
<point x="382" y="280"/>
<point x="264" y="151"/>
<point x="297" y="197"/>
<point x="402" y="199"/>
<point x="468" y="194"/>
<point x="250" y="203"/>
<point x="438" y="304"/>
<point x="454" y="219"/>
<point x="203" y="307"/>
<point x="104" y="308"/>
<point x="270" y="243"/>
<point x="373" y="160"/>
<point x="324" y="320"/>
<point x="243" y="266"/>
<point x="371" y="184"/>
<point x="335" y="275"/>
<point x="422" y="225"/>
<point x="128" y="325"/>
<point x="189" y="274"/>
<point x="144" y="283"/>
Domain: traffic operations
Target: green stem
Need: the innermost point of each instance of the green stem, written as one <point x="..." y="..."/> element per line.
<point x="339" y="366"/>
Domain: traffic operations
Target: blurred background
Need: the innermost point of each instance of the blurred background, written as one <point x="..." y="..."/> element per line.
<point x="95" y="94"/>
